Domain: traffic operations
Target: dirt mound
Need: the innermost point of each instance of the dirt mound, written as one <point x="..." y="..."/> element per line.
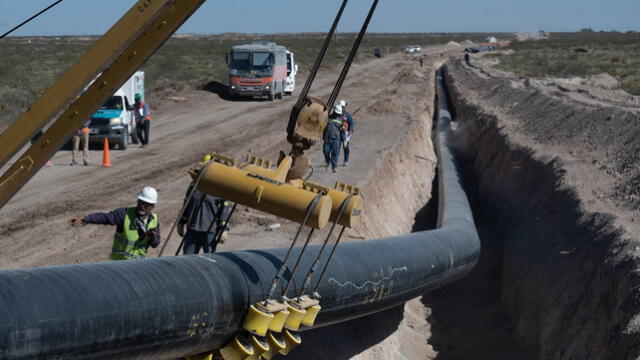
<point x="383" y="106"/>
<point x="603" y="80"/>
<point x="452" y="44"/>
<point x="467" y="43"/>
<point x="409" y="76"/>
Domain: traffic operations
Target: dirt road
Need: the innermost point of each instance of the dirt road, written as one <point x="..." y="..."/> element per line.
<point x="34" y="231"/>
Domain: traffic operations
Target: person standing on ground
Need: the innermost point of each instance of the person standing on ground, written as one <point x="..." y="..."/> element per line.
<point x="205" y="217"/>
<point x="143" y="119"/>
<point x="137" y="228"/>
<point x="331" y="136"/>
<point x="348" y="126"/>
<point x="82" y="135"/>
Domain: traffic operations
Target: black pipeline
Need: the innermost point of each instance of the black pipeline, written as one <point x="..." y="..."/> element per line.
<point x="164" y="308"/>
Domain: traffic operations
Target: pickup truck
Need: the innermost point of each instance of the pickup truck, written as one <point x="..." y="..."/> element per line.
<point x="114" y="120"/>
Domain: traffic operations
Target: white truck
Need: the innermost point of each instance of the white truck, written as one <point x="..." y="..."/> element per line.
<point x="292" y="70"/>
<point x="114" y="120"/>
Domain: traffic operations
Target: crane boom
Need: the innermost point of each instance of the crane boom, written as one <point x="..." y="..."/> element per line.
<point x="118" y="54"/>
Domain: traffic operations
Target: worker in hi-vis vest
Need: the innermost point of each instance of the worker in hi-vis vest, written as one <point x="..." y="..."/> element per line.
<point x="137" y="228"/>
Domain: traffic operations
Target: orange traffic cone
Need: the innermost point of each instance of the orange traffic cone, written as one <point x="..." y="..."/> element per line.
<point x="106" y="159"/>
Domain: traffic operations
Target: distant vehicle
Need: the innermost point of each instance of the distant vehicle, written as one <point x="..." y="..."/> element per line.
<point x="417" y="48"/>
<point x="114" y="120"/>
<point x="377" y="53"/>
<point x="292" y="70"/>
<point x="477" y="49"/>
<point x="258" y="68"/>
<point x="409" y="49"/>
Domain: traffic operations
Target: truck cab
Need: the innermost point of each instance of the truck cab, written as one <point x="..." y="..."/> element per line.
<point x="114" y="120"/>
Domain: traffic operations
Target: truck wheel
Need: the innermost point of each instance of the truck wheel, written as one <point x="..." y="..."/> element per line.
<point x="124" y="140"/>
<point x="270" y="96"/>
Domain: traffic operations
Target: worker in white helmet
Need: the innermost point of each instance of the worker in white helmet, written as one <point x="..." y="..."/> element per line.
<point x="137" y="228"/>
<point x="331" y="137"/>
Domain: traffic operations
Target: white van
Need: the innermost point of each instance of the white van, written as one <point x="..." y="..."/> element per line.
<point x="292" y="70"/>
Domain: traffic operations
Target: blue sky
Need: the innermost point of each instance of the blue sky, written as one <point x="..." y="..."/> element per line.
<point x="89" y="17"/>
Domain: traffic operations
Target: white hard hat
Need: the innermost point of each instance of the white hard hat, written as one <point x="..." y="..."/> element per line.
<point x="343" y="103"/>
<point x="337" y="109"/>
<point x="148" y="195"/>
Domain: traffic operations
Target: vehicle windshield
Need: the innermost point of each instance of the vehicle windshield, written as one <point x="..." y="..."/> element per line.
<point x="114" y="103"/>
<point x="289" y="66"/>
<point x="247" y="63"/>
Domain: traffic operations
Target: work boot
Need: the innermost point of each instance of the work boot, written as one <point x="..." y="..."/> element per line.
<point x="345" y="163"/>
<point x="73" y="162"/>
<point x="86" y="163"/>
<point x="326" y="166"/>
<point x="333" y="169"/>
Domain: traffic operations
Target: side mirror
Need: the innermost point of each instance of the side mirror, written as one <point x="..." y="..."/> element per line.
<point x="296" y="67"/>
<point x="226" y="59"/>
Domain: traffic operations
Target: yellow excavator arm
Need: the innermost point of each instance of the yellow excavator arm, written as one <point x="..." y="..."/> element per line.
<point x="115" y="57"/>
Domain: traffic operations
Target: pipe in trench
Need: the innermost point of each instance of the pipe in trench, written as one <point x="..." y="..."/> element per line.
<point x="170" y="307"/>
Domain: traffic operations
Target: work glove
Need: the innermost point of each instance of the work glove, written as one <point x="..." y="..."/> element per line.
<point x="224" y="236"/>
<point x="76" y="221"/>
<point x="151" y="233"/>
<point x="181" y="230"/>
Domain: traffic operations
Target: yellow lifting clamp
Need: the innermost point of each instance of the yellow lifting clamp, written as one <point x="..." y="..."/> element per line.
<point x="239" y="348"/>
<point x="308" y="309"/>
<point x="203" y="356"/>
<point x="291" y="339"/>
<point x="295" y="317"/>
<point x="257" y="321"/>
<point x="276" y="345"/>
<point x="260" y="346"/>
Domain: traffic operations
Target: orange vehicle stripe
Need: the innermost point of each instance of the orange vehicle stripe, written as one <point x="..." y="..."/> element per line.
<point x="243" y="81"/>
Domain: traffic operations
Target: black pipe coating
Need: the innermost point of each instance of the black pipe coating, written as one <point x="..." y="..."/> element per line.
<point x="169" y="307"/>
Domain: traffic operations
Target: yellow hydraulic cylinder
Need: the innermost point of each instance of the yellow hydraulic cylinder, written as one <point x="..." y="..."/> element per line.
<point x="264" y="194"/>
<point x="352" y="213"/>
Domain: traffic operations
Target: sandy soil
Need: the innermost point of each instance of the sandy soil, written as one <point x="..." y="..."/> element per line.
<point x="33" y="226"/>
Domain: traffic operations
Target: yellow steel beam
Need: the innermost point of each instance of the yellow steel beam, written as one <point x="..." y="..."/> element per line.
<point x="145" y="43"/>
<point x="264" y="194"/>
<point x="71" y="83"/>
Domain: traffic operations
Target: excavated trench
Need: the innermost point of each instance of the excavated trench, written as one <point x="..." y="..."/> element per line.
<point x="555" y="281"/>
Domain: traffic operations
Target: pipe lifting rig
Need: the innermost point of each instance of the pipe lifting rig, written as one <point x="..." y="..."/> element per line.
<point x="237" y="305"/>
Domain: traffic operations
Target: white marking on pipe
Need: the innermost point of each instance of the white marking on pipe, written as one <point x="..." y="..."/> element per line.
<point x="208" y="258"/>
<point x="376" y="283"/>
